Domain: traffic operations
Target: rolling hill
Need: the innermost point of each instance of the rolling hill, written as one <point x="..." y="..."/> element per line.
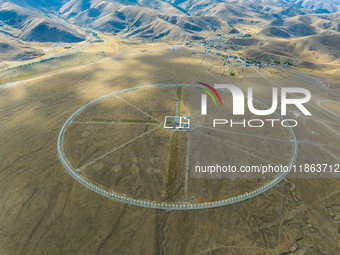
<point x="12" y="50"/>
<point x="305" y="25"/>
<point x="135" y="21"/>
<point x="30" y="25"/>
<point x="284" y="28"/>
<point x="169" y="19"/>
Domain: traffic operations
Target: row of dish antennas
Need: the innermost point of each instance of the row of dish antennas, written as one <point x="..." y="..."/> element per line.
<point x="177" y="205"/>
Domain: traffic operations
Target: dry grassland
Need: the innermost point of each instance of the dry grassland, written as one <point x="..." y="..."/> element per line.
<point x="43" y="210"/>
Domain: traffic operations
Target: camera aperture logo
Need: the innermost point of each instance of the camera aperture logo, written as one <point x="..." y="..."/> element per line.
<point x="238" y="98"/>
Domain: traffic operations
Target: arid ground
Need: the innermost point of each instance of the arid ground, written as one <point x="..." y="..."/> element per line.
<point x="43" y="210"/>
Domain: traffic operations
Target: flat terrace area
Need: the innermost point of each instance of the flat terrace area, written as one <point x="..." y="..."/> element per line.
<point x="43" y="206"/>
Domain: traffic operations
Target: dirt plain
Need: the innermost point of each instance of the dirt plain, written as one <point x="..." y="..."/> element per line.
<point x="43" y="210"/>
